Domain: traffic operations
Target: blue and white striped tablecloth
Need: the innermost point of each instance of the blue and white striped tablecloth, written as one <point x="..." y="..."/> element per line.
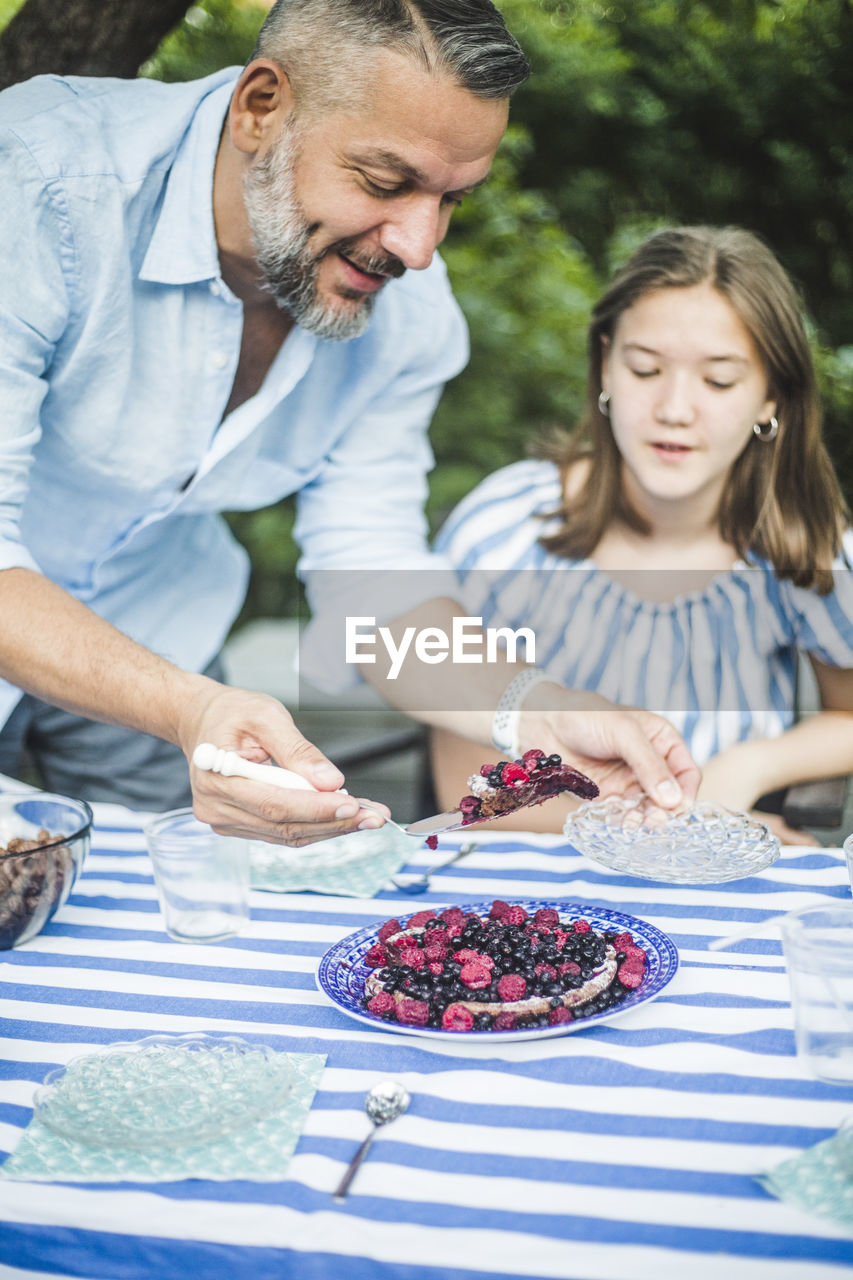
<point x="625" y="1150"/>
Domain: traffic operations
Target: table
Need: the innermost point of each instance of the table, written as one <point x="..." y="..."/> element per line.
<point x="625" y="1150"/>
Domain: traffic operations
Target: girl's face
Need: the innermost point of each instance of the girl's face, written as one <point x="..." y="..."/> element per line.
<point x="686" y="385"/>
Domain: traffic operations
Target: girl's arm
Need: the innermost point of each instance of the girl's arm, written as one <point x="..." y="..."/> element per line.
<point x="819" y="746"/>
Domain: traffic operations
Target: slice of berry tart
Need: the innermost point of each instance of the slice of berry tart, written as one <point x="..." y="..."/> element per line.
<point x="501" y="971"/>
<point x="499" y="789"/>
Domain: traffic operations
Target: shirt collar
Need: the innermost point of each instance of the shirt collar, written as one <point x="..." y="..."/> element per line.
<point x="183" y="248"/>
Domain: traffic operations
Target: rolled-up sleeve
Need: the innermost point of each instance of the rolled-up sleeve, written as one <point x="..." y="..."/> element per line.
<point x="36" y="256"/>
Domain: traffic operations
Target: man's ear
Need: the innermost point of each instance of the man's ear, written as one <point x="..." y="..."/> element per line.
<point x="261" y="102"/>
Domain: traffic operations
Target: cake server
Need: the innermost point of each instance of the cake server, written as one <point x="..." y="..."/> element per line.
<point x="232" y="765"/>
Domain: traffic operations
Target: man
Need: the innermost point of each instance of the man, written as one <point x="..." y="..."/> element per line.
<point x="199" y="315"/>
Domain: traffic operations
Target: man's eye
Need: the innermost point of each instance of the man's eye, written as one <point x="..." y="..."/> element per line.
<point x="452" y="200"/>
<point x="376" y="188"/>
<point x="645" y="373"/>
<point x="720" y="386"/>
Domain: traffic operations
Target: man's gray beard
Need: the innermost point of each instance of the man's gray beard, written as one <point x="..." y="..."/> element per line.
<point x="281" y="234"/>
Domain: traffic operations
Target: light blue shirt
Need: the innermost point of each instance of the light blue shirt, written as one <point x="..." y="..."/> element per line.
<point x="119" y="342"/>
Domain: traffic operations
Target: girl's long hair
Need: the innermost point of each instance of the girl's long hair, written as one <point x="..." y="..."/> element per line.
<point x="782" y="501"/>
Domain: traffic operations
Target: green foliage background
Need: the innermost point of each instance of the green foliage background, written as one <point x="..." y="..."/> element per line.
<point x="639" y="113"/>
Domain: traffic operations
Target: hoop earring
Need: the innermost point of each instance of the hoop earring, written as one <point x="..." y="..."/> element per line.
<point x="604" y="404"/>
<point x="766" y="432"/>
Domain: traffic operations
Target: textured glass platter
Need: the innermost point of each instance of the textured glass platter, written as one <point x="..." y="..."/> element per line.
<point x="163" y="1091"/>
<point x="342" y="972"/>
<point x="704" y="844"/>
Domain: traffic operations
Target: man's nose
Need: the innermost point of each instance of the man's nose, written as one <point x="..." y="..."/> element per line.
<point x="413" y="233"/>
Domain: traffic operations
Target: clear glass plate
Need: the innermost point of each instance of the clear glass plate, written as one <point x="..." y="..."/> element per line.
<point x="163" y="1091"/>
<point x="702" y="844"/>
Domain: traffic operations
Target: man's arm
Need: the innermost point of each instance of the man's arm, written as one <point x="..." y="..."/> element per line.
<point x="55" y="647"/>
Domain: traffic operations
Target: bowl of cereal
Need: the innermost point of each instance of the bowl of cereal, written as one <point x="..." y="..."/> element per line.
<point x="44" y="840"/>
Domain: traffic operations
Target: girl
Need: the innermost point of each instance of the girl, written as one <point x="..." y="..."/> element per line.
<point x="681" y="548"/>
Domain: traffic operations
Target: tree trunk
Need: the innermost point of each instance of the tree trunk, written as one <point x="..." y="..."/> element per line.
<point x="84" y="37"/>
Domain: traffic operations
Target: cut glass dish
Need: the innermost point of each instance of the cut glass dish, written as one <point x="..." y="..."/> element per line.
<point x="701" y="844"/>
<point x="163" y="1091"/>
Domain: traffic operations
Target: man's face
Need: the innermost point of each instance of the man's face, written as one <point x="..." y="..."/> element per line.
<point x="340" y="204"/>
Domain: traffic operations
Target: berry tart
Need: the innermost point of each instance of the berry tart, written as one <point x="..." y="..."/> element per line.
<point x="501" y="788"/>
<point x="504" y="970"/>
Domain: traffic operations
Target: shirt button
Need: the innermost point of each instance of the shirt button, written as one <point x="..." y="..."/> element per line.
<point x="219" y="359"/>
<point x="214" y="288"/>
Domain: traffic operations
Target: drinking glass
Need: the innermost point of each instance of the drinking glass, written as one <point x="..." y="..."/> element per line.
<point x="818" y="945"/>
<point x="202" y="878"/>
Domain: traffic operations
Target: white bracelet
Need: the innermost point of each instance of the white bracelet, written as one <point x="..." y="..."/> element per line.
<point x="508" y="711"/>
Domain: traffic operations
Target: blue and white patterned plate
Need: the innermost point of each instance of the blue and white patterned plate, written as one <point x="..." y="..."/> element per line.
<point x="343" y="973"/>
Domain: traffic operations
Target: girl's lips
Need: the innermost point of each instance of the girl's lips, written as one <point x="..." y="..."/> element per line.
<point x="665" y="449"/>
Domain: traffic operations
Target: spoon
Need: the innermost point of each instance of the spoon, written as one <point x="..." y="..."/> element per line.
<point x="384" y="1103"/>
<point x="420" y="884"/>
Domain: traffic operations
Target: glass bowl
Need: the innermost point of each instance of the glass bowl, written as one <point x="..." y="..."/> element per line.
<point x="699" y="844"/>
<point x="35" y="882"/>
<point x="163" y="1091"/>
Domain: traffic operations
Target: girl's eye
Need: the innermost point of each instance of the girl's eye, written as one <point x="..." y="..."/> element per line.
<point x="645" y="373"/>
<point x="720" y="386"/>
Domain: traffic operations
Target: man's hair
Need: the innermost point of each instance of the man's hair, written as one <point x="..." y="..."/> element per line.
<point x="318" y="42"/>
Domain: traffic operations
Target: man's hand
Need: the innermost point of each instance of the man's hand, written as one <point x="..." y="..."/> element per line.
<point x="625" y="750"/>
<point x="260" y="729"/>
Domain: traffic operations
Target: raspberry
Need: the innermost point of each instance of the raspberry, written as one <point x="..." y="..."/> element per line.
<point x="560" y="938"/>
<point x="623" y="940"/>
<point x="499" y="909"/>
<point x="434" y="953"/>
<point x="485" y="770"/>
<point x="560" y="1014"/>
<point x="545" y="970"/>
<point x="436" y="967"/>
<point x="547" y="917"/>
<point x="431" y="842"/>
<point x="453" y="931"/>
<point x="375" y="957"/>
<point x="414" y="1013"/>
<point x="467" y="954"/>
<point x="418" y="921"/>
<point x="515" y="915"/>
<point x="469" y="805"/>
<point x="452" y="915"/>
<point x="505" y="1021"/>
<point x="530" y="757"/>
<point x="475" y="975"/>
<point x="635" y="954"/>
<point x="381" y="1003"/>
<point x="412" y="957"/>
<point x="512" y="987"/>
<point x="582" y="926"/>
<point x="389" y="928"/>
<point x="629" y="976"/>
<point x="569" y="966"/>
<point x="512" y="775"/>
<point x="457" y="1018"/>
